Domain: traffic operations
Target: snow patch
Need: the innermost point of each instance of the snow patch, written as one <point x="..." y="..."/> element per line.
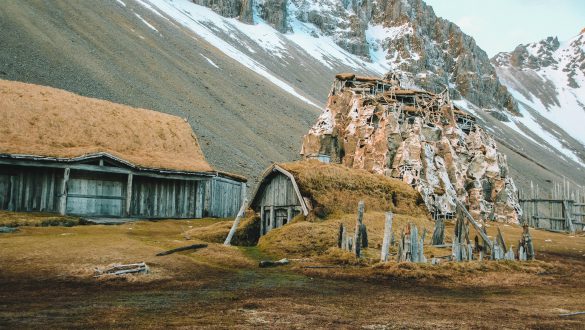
<point x="210" y="61"/>
<point x="145" y="22"/>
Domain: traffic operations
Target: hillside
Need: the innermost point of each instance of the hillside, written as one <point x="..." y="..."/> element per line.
<point x="250" y="92"/>
<point x="548" y="80"/>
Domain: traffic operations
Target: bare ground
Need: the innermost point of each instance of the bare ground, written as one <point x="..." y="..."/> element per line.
<point x="46" y="280"/>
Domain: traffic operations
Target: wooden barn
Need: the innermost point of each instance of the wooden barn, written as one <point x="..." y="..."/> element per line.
<point x="277" y="199"/>
<point x="67" y="154"/>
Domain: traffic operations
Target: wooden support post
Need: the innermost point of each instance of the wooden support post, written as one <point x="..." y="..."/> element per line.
<point x="567" y="214"/>
<point x="386" y="240"/>
<point x="129" y="193"/>
<point x="199" y="199"/>
<point x="63" y="192"/>
<point x="340" y="236"/>
<point x="414" y="244"/>
<point x="262" y="221"/>
<point x="289" y="214"/>
<point x="271" y="224"/>
<point x="228" y="239"/>
<point x="439" y="232"/>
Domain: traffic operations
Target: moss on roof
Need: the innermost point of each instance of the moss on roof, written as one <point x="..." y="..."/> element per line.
<point x="48" y="122"/>
<point x="340" y="188"/>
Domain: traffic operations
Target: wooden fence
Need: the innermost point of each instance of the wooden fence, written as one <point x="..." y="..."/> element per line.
<point x="561" y="209"/>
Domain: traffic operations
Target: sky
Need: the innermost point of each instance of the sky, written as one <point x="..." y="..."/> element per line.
<point x="501" y="25"/>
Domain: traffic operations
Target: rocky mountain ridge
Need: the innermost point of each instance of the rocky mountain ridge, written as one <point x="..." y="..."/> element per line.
<point x="548" y="80"/>
<point x="404" y="35"/>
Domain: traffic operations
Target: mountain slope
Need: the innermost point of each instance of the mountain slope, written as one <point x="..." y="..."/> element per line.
<point x="391" y="34"/>
<point x="548" y="80"/>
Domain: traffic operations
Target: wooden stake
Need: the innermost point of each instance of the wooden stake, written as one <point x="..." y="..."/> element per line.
<point x="386" y="240"/>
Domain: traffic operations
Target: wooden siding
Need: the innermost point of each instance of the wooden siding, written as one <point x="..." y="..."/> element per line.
<point x="277" y="191"/>
<point x="88" y="193"/>
<point x="159" y="198"/>
<point x="91" y="194"/>
<point x="276" y="201"/>
<point x="29" y="190"/>
<point x="223" y="198"/>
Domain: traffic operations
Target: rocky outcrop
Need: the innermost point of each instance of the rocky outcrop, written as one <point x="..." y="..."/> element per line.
<point x="418" y="137"/>
<point x="275" y="13"/>
<point x="230" y="8"/>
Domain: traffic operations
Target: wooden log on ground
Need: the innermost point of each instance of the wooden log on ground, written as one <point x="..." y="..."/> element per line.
<point x="184" y="248"/>
<point x="270" y="263"/>
<point x="230" y="235"/>
<point x="121" y="269"/>
<point x="386" y="239"/>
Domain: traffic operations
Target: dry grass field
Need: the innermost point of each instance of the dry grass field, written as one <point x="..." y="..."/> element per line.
<point x="46" y="280"/>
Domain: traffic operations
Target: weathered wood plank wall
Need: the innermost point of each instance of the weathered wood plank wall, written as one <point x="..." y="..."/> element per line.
<point x="156" y="198"/>
<point x="30" y="190"/>
<point x="277" y="202"/>
<point x="104" y="194"/>
<point x="223" y="198"/>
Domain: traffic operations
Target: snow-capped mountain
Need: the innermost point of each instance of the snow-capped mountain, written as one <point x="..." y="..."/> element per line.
<point x="368" y="36"/>
<point x="548" y="80"/>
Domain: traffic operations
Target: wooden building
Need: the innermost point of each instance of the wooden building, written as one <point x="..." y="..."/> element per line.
<point x="277" y="199"/>
<point x="67" y="154"/>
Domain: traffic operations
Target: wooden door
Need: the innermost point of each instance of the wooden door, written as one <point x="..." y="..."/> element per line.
<point x="91" y="196"/>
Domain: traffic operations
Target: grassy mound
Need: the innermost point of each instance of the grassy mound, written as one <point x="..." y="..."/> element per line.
<point x="246" y="235"/>
<point x="336" y="191"/>
<point x="338" y="188"/>
<point x="303" y="238"/>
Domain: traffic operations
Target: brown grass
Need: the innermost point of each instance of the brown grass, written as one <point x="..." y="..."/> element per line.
<point x="246" y="235"/>
<point x="46" y="281"/>
<point x="17" y="219"/>
<point x="339" y="188"/>
<point x="73" y="126"/>
<point x="304" y="238"/>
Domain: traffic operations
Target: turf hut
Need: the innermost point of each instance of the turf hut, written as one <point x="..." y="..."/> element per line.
<point x="67" y="154"/>
<point x="315" y="188"/>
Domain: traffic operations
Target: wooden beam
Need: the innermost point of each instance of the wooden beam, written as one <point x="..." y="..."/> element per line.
<point x="63" y="192"/>
<point x="129" y="193"/>
<point x="112" y="169"/>
<point x="475" y="224"/>
<point x="271" y="224"/>
<point x="289" y="214"/>
<point x="228" y="239"/>
<point x="262" y="220"/>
